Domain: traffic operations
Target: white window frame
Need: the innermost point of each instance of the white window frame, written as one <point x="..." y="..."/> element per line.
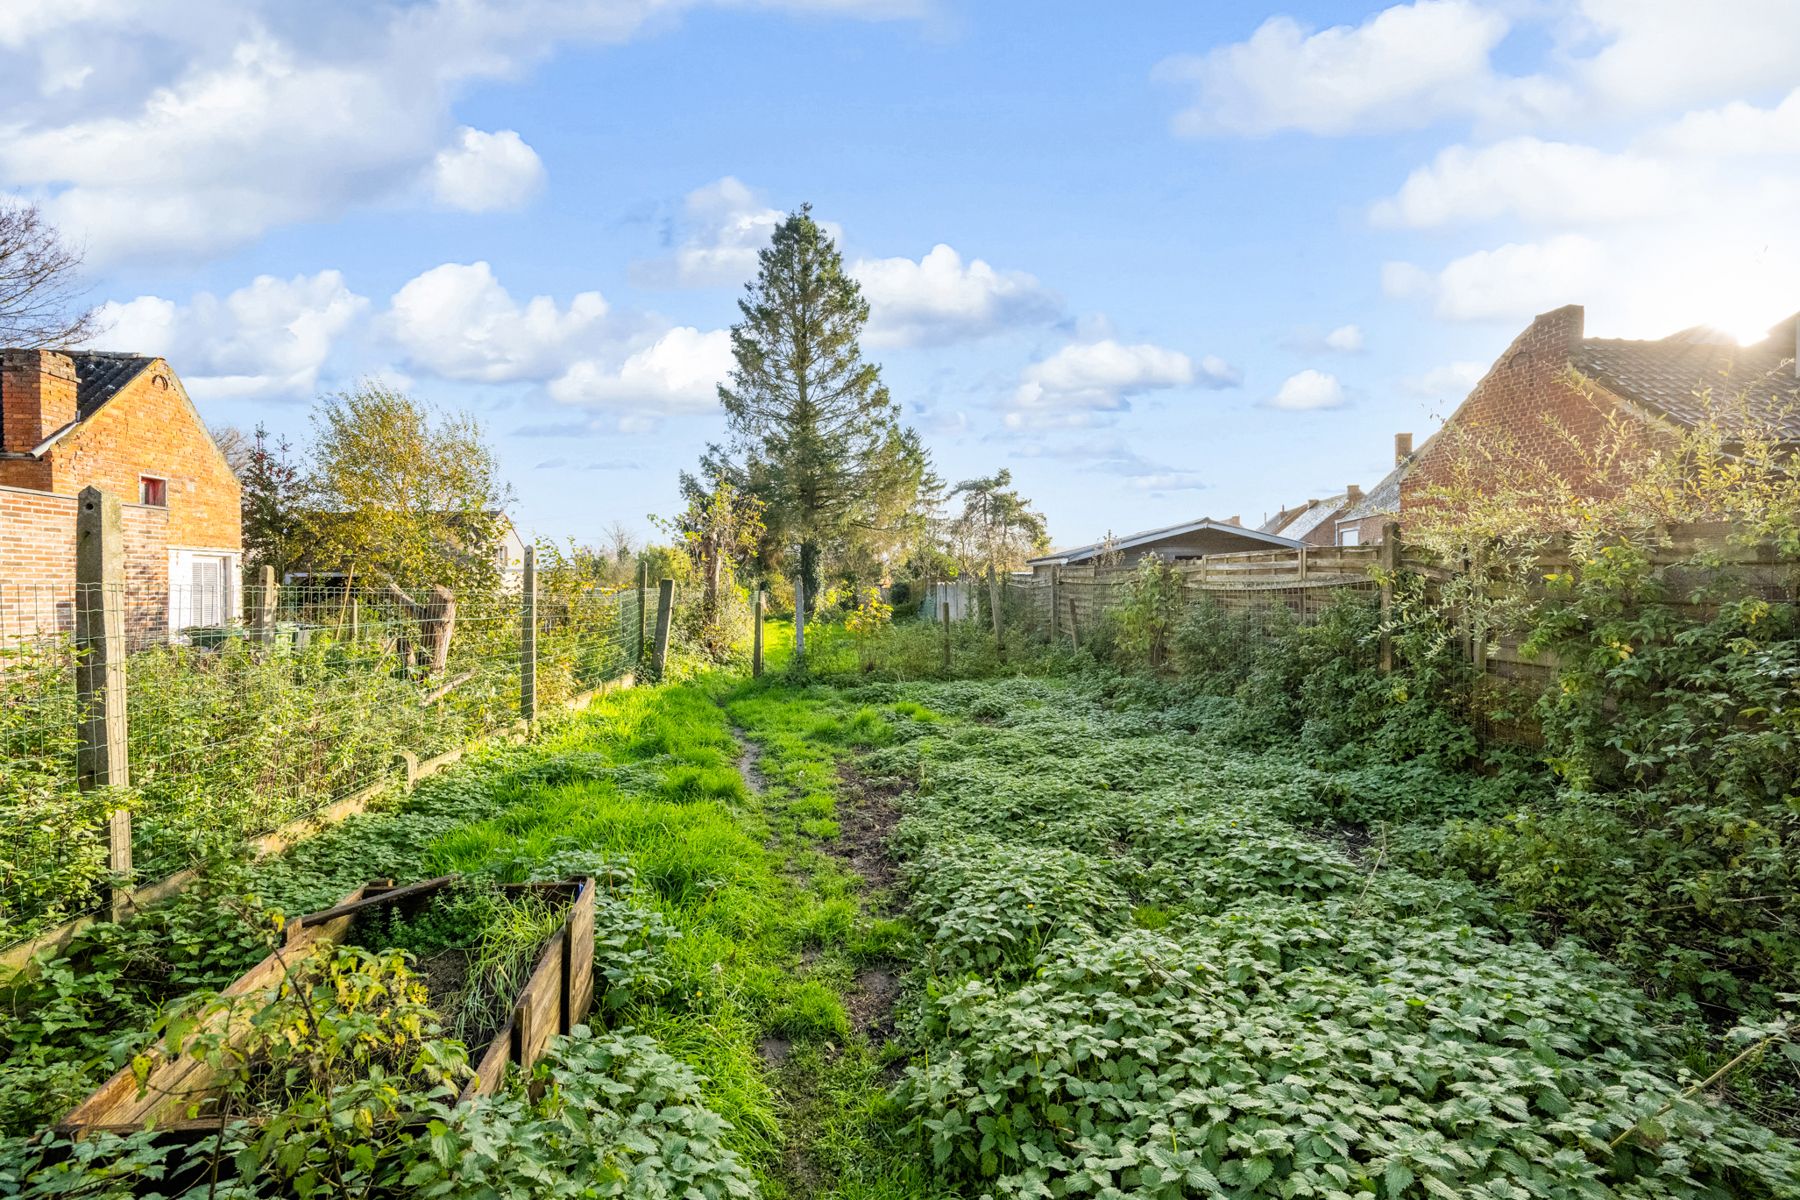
<point x="1349" y="535"/>
<point x="186" y="609"/>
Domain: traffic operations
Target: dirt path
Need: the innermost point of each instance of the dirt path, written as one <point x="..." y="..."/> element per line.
<point x="866" y="815"/>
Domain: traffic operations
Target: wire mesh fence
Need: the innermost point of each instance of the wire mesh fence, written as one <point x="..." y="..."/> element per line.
<point x="249" y="708"/>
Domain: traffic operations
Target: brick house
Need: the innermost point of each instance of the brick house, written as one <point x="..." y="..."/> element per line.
<point x="1361" y="523"/>
<point x="1529" y="394"/>
<point x="1312" y="523"/>
<point x="122" y="423"/>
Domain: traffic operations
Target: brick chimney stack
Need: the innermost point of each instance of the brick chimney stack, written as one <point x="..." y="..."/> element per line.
<point x="1353" y="494"/>
<point x="1402" y="447"/>
<point x="37" y="396"/>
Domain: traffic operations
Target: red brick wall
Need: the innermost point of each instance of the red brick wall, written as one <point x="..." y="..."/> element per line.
<point x="149" y="428"/>
<point x="37" y="567"/>
<point x="37" y="397"/>
<point x="1520" y="409"/>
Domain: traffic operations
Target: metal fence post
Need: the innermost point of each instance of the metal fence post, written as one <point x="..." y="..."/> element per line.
<point x="262" y="615"/>
<point x="665" y="601"/>
<point x="103" y="758"/>
<point x="643" y="600"/>
<point x="756" y="634"/>
<point x="528" y="638"/>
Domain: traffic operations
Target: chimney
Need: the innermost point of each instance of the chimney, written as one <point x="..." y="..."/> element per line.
<point x="1402" y="447"/>
<point x="1353" y="494"/>
<point x="37" y="396"/>
<point x="1233" y="519"/>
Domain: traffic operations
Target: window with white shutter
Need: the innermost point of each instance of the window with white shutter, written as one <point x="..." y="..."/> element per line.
<point x="208" y="605"/>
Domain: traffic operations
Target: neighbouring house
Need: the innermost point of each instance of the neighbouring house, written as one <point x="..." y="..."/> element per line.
<point x="123" y="423"/>
<point x="1191" y="539"/>
<point x="1361" y="523"/>
<point x="1310" y="523"/>
<point x="1529" y="397"/>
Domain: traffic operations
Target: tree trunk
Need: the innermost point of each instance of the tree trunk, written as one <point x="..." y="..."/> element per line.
<point x="809" y="574"/>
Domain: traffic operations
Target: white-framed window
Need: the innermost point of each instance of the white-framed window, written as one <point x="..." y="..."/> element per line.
<point x="203" y="588"/>
<point x="1349" y="535"/>
<point x="153" y="489"/>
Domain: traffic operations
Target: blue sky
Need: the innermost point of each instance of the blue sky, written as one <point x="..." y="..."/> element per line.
<point x="1161" y="260"/>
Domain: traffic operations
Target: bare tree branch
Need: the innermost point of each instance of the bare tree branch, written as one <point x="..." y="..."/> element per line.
<point x="40" y="293"/>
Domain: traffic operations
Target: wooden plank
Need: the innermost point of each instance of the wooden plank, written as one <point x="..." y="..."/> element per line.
<point x="172" y="1086"/>
<point x="490" y="1069"/>
<point x="536" y="1020"/>
<point x="382" y="896"/>
<point x="578" y="963"/>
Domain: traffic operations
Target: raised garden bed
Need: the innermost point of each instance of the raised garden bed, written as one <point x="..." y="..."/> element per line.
<point x="180" y="1094"/>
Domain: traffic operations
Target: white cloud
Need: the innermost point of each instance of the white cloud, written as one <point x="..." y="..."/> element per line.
<point x="1556" y="183"/>
<point x="1404" y="67"/>
<point x="678" y="372"/>
<point x="941" y="299"/>
<point x="1307" y="390"/>
<point x="1345" y="339"/>
<point x="1215" y="372"/>
<point x="1517" y="279"/>
<point x="270" y="338"/>
<point x="1086" y="378"/>
<point x="457" y="321"/>
<point x="723" y="225"/>
<point x="1654" y="55"/>
<point x="209" y="123"/>
<point x="1737" y="130"/>
<point x="484" y="172"/>
<point x="1452" y="381"/>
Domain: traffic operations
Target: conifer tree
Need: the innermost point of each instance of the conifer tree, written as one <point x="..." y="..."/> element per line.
<point x="820" y="438"/>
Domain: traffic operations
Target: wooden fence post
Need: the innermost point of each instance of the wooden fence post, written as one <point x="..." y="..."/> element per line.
<point x="994" y="598"/>
<point x="1055" y="622"/>
<point x="1074" y="629"/>
<point x="944" y="611"/>
<point x="643" y="602"/>
<point x="528" y="599"/>
<point x="1388" y="562"/>
<point x="102" y="760"/>
<point x="665" y="603"/>
<point x="799" y="621"/>
<point x="756" y="634"/>
<point x="262" y="616"/>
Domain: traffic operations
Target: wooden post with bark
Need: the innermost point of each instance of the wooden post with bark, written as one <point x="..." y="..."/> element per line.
<point x="436" y="618"/>
<point x="1388" y="563"/>
<point x="1055" y="621"/>
<point x="102" y="760"/>
<point x="756" y="634"/>
<point x="528" y="598"/>
<point x="665" y="605"/>
<point x="1074" y="629"/>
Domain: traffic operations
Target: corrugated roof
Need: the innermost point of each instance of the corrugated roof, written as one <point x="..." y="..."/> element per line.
<point x="1676" y="375"/>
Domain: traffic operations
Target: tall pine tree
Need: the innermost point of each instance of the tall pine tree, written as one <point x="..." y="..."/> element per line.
<point x="821" y="441"/>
